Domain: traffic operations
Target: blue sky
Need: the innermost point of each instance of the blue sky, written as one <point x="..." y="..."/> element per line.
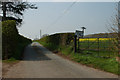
<point x="57" y="17"/>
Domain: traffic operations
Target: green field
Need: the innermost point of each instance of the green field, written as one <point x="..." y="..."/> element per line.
<point x="105" y="47"/>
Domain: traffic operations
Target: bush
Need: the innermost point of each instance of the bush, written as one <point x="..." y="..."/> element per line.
<point x="9" y="38"/>
<point x="53" y="42"/>
<point x="59" y="39"/>
<point x="12" y="43"/>
<point x="22" y="43"/>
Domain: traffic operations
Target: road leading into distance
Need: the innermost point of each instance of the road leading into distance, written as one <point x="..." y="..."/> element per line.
<point x="41" y="63"/>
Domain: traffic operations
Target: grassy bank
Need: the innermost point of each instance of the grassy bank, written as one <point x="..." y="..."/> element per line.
<point x="105" y="64"/>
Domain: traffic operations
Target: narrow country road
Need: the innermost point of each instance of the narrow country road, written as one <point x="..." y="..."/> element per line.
<point x="41" y="63"/>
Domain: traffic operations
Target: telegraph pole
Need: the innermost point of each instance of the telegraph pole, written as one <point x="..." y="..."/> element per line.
<point x="40" y="33"/>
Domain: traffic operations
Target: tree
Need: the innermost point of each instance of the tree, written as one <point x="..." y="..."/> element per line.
<point x="14" y="10"/>
<point x="115" y="29"/>
<point x="119" y="28"/>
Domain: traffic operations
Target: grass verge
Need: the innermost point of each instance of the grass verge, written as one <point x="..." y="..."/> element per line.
<point x="105" y="64"/>
<point x="11" y="60"/>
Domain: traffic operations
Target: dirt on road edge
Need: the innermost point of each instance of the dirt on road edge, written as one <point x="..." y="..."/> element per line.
<point x="7" y="65"/>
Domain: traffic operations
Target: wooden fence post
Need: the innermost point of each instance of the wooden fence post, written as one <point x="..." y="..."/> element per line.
<point x="98" y="47"/>
<point x="75" y="43"/>
<point x="78" y="44"/>
<point x="88" y="43"/>
<point x="109" y="47"/>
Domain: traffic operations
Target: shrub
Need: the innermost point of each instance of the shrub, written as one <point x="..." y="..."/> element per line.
<point x="9" y="38"/>
<point x="12" y="43"/>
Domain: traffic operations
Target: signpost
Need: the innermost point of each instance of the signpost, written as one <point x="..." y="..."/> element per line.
<point x="75" y="43"/>
<point x="78" y="35"/>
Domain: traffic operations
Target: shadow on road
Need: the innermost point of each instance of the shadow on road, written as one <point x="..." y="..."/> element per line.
<point x="35" y="53"/>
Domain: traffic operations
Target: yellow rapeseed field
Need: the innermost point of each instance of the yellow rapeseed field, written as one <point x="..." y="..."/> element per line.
<point x="95" y="39"/>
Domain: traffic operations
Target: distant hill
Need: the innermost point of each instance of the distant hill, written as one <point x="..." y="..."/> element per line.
<point x="98" y="35"/>
<point x="101" y="35"/>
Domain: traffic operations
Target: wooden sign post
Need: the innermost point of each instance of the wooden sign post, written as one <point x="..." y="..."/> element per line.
<point x="75" y="43"/>
<point x="78" y="35"/>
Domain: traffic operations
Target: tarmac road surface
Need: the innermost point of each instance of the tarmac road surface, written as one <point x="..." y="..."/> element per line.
<point x="41" y="63"/>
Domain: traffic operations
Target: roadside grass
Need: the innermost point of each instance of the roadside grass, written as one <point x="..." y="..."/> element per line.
<point x="105" y="64"/>
<point x="11" y="60"/>
<point x="110" y="65"/>
<point x="92" y="60"/>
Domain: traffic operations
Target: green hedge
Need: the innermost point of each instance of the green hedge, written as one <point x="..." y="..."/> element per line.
<point x="59" y="39"/>
<point x="54" y="41"/>
<point x="9" y="38"/>
<point x="22" y="43"/>
<point x="12" y="42"/>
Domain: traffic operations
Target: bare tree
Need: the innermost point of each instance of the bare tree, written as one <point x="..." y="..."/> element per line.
<point x="114" y="28"/>
<point x="119" y="28"/>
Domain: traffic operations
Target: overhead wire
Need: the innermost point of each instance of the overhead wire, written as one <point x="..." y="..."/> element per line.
<point x="64" y="12"/>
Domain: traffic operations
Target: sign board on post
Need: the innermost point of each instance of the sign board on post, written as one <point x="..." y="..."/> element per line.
<point x="79" y="33"/>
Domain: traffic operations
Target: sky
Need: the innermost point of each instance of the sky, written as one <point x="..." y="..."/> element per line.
<point x="59" y="17"/>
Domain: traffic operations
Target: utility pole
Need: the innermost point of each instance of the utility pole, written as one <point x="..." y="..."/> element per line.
<point x="36" y="37"/>
<point x="40" y="33"/>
